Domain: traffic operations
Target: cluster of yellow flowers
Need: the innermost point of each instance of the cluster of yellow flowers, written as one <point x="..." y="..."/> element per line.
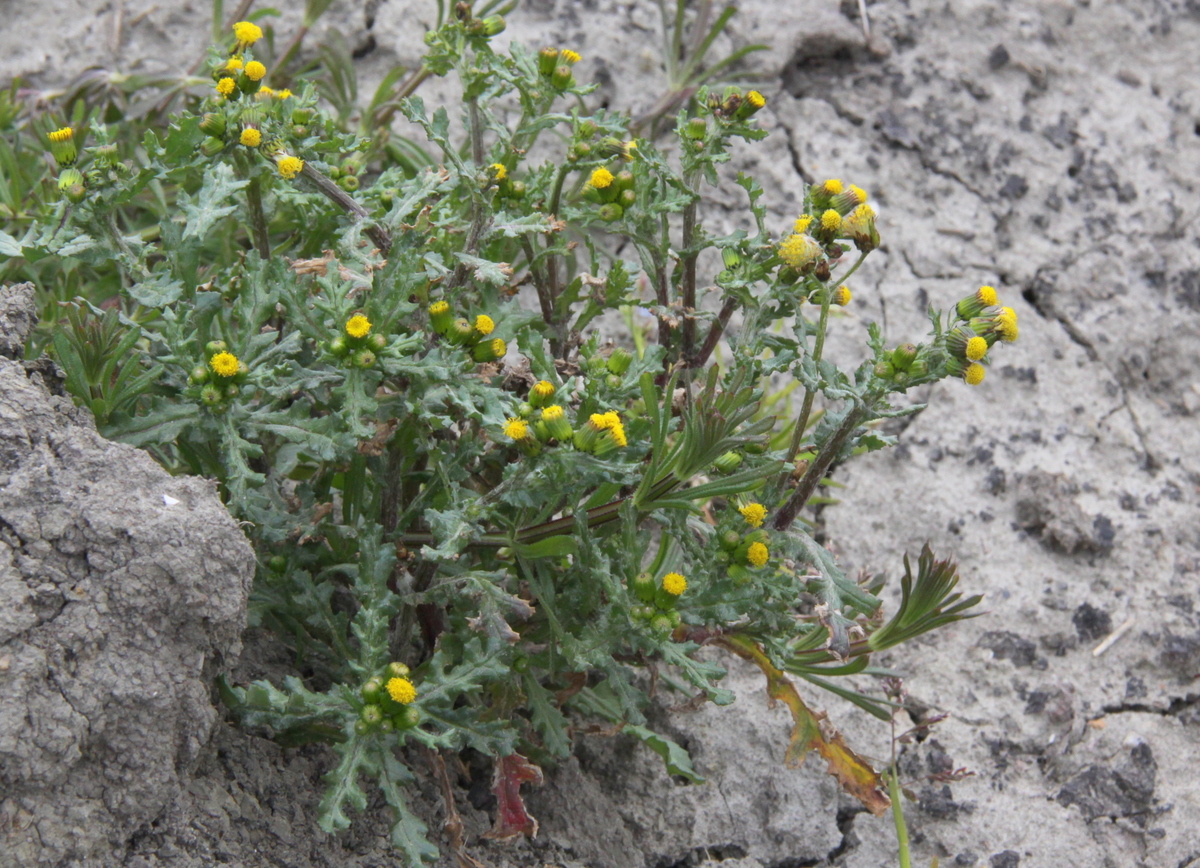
<point x="835" y="211"/>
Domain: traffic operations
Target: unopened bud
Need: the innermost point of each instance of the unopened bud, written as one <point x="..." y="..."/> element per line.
<point x="562" y="77"/>
<point x="611" y="212"/>
<point x="696" y="128"/>
<point x="731" y="257"/>
<point x="364" y="359"/>
<point x="903" y="356"/>
<point x="210" y="147"/>
<point x="213" y="124"/>
<point x="493" y="25"/>
<point x="619" y="362"/>
<point x="70" y="184"/>
<point x="728" y="462"/>
<point x="489" y="351"/>
<point x="547" y="60"/>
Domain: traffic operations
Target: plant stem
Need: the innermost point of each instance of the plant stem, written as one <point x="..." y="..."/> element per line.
<point x="543" y="292"/>
<point x="339" y="197"/>
<point x="816" y="470"/>
<point x="893" y="780"/>
<point x="286" y="57"/>
<point x="556" y="192"/>
<point x="715" y="332"/>
<point x="258" y="220"/>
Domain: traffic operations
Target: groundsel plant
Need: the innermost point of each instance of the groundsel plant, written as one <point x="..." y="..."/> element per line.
<point x="479" y="525"/>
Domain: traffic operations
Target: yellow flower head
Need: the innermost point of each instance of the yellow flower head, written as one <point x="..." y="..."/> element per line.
<point x="987" y="295"/>
<point x="283" y="94"/>
<point x="499" y="172"/>
<point x="605" y="421"/>
<point x="601" y="178"/>
<point x="617" y="432"/>
<point x="484" y="324"/>
<point x="499" y="347"/>
<point x="802" y="224"/>
<point x="552" y="413"/>
<point x="61" y="135"/>
<point x="265" y="92"/>
<point x="1007" y="329"/>
<point x="439" y="307"/>
<point x="255" y="71"/>
<point x="247" y="33"/>
<point x="358" y="326"/>
<point x="831" y="221"/>
<point x="859" y="192"/>
<point x="674" y="584"/>
<point x="226" y="86"/>
<point x="757" y="554"/>
<point x="974" y="374"/>
<point x="756" y="99"/>
<point x="863" y="212"/>
<point x="290" y="167"/>
<point x="569" y="56"/>
<point x="841" y="296"/>
<point x="627" y="149"/>
<point x="832" y="187"/>
<point x="401" y="690"/>
<point x="543" y="389"/>
<point x="754" y="513"/>
<point x="977" y="348"/>
<point x="799" y="251"/>
<point x="250" y="137"/>
<point x="516" y="429"/>
<point x="224" y="364"/>
<point x="233" y="64"/>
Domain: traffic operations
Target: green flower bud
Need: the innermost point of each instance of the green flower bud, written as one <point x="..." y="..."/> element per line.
<point x="349" y="183"/>
<point x="756" y="447"/>
<point x="370" y="690"/>
<point x="493" y="25"/>
<point x="696" y="128"/>
<point x="627" y="198"/>
<point x="232" y="391"/>
<point x="731" y="257"/>
<point x="644" y="587"/>
<point x="371" y="715"/>
<point x="730" y="540"/>
<point x="611" y="212"/>
<point x="213" y="347"/>
<point x="364" y="359"/>
<point x="408" y="718"/>
<point x="461" y="332"/>
<point x="586" y="130"/>
<point x="597" y="366"/>
<point x="903" y="356"/>
<point x="581" y="150"/>
<point x="516" y="190"/>
<point x="489" y="351"/>
<point x="70" y="184"/>
<point x="661" y="623"/>
<point x="728" y="462"/>
<point x="386" y="726"/>
<point x="885" y="370"/>
<point x="302" y="115"/>
<point x="396" y="669"/>
<point x="211" y="396"/>
<point x="377" y="342"/>
<point x="675" y="617"/>
<point x="525" y="409"/>
<point x="210" y="147"/>
<point x="213" y="124"/>
<point x="277" y="563"/>
<point x="613" y="381"/>
<point x="562" y="77"/>
<point x="739" y="575"/>
<point x="547" y="61"/>
<point x="619" y="361"/>
<point x="338" y="346"/>
<point x="918" y="369"/>
<point x="441" y="318"/>
<point x="623" y="180"/>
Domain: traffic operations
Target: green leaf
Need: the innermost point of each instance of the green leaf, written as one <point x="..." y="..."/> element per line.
<point x="208" y="207"/>
<point x="408" y="833"/>
<point x="677" y="760"/>
<point x="551" y="547"/>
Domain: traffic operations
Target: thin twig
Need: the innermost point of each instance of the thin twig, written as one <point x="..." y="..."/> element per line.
<point x="258" y="219"/>
<point x="339" y="197"/>
<point x="820" y="465"/>
<point x="715" y="331"/>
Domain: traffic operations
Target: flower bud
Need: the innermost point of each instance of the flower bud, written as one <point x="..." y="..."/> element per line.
<point x="70" y="184"/>
<point x="211" y="395"/>
<point x="919" y="369"/>
<point x="213" y="124"/>
<point x="644" y="587"/>
<point x="198" y="375"/>
<point x="489" y="351"/>
<point x="277" y="564"/>
<point x="349" y="183"/>
<point x="661" y="623"/>
<point x="409" y="717"/>
<point x="541" y="393"/>
<point x="396" y="669"/>
<point x="213" y="347"/>
<point x="611" y="212"/>
<point x="460" y="332"/>
<point x="547" y="61"/>
<point x="975" y="304"/>
<point x="859" y="226"/>
<point x="364" y="359"/>
<point x="232" y="391"/>
<point x="730" y="540"/>
<point x="619" y="361"/>
<point x="751" y="103"/>
<point x="371" y="715"/>
<point x="728" y="462"/>
<point x="440" y="317"/>
<point x="849" y="199"/>
<point x="562" y="78"/>
<point x="903" y="356"/>
<point x="885" y="370"/>
<point x="62" y="146"/>
<point x="493" y="25"/>
<point x="624" y="180"/>
<point x="586" y="130"/>
<point x="627" y="199"/>
<point x="377" y="342"/>
<point x="556" y="424"/>
<point x="696" y="128"/>
<point x="731" y="257"/>
<point x="210" y="147"/>
<point x="339" y="347"/>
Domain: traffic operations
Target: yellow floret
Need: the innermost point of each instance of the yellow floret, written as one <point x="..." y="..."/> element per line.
<point x="569" y="56"/>
<point x="617" y="432"/>
<point x="358" y="326"/>
<point x="265" y="92"/>
<point x="247" y="33"/>
<point x="61" y="135"/>
<point x="974" y="374"/>
<point x="484" y="324"/>
<point x="802" y="223"/>
<point x="799" y="251"/>
<point x="987" y="295"/>
<point x="831" y="221"/>
<point x="756" y="99"/>
<point x="516" y="429"/>
<point x="290" y="167"/>
<point x="543" y="389"/>
<point x="250" y="137"/>
<point x="401" y="690"/>
<point x="841" y="296"/>
<point x="976" y="348"/>
<point x="601" y="178"/>
<point x="438" y="307"/>
<point x="754" y="513"/>
<point x="283" y="94"/>
<point x="859" y="192"/>
<point x="255" y="70"/>
<point x="552" y="413"/>
<point x="832" y="187"/>
<point x="757" y="554"/>
<point x="226" y="86"/>
<point x="233" y="64"/>
<point x="499" y="171"/>
<point x="674" y="584"/>
<point x="1007" y="329"/>
<point x="224" y="364"/>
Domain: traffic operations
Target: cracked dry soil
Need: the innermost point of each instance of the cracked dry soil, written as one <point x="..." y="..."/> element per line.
<point x="1048" y="148"/>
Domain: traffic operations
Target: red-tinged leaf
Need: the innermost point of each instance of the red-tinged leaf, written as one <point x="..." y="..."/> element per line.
<point x="853" y="772"/>
<point x="511" y="817"/>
